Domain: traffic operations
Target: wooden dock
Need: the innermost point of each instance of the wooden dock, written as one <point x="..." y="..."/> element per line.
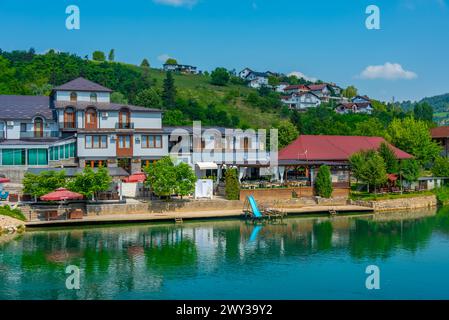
<point x="182" y="216"/>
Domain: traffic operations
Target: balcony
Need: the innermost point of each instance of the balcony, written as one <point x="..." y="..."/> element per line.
<point x="39" y="134"/>
<point x="121" y="125"/>
<point x="68" y="125"/>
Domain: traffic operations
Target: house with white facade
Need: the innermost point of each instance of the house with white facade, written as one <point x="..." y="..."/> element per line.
<point x="352" y="107"/>
<point x="301" y="100"/>
<point x="78" y="126"/>
<point x="183" y="68"/>
<point x="296" y="88"/>
<point x="321" y="90"/>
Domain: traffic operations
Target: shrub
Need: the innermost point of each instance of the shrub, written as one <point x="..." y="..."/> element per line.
<point x="323" y="182"/>
<point x="442" y="195"/>
<point x="440" y="167"/>
<point x="13" y="213"/>
<point x="232" y="188"/>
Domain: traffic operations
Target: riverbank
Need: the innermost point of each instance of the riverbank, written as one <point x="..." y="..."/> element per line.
<point x="193" y="215"/>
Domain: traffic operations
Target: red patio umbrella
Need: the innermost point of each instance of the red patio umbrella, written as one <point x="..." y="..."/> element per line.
<point x="61" y="194"/>
<point x="4" y="180"/>
<point x="136" y="177"/>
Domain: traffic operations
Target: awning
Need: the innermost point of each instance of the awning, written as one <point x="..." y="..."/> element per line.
<point x="207" y="165"/>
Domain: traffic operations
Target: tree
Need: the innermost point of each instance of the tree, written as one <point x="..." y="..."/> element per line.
<point x="111" y="55"/>
<point x="390" y="159"/>
<point x="409" y="170"/>
<point x="287" y="132"/>
<point x="232" y="187"/>
<point x="349" y="92"/>
<point x="98" y="56"/>
<point x="45" y="182"/>
<point x="413" y="136"/>
<point x="165" y="178"/>
<point x="90" y="182"/>
<point x="440" y="167"/>
<point x="219" y="77"/>
<point x="171" y="61"/>
<point x="369" y="167"/>
<point x="168" y="91"/>
<point x="273" y="81"/>
<point x="371" y="127"/>
<point x="118" y="97"/>
<point x="185" y="178"/>
<point x="145" y="63"/>
<point x="423" y="111"/>
<point x="323" y="182"/>
<point x="149" y="98"/>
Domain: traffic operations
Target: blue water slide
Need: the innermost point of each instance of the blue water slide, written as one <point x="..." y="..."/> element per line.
<point x="254" y="208"/>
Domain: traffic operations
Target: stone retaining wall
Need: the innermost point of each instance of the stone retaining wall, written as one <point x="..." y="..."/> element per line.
<point x="399" y="204"/>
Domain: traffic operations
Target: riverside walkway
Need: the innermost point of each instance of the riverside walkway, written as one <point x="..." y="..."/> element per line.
<point x="194" y="215"/>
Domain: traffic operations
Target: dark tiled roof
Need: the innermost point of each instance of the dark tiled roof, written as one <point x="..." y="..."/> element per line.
<point x="24" y="107"/>
<point x="81" y="84"/>
<point x="101" y="106"/>
<point x="25" y="142"/>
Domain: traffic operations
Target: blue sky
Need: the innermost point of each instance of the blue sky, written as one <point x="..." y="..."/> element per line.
<point x="408" y="58"/>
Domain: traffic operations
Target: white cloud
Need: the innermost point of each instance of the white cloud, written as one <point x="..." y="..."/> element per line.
<point x="163" y="57"/>
<point x="177" y="3"/>
<point x="300" y="75"/>
<point x="388" y="71"/>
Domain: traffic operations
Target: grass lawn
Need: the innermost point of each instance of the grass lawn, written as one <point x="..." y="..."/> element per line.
<point x="13" y="213"/>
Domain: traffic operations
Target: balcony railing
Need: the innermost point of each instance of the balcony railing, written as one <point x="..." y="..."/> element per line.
<point x="39" y="134"/>
<point x="67" y="125"/>
<point x="121" y="125"/>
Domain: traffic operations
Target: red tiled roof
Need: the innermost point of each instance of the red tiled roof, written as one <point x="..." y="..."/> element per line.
<point x="296" y="86"/>
<point x="440" y="132"/>
<point x="327" y="148"/>
<point x="315" y="87"/>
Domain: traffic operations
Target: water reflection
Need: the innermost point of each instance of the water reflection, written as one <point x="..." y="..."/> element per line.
<point x="138" y="261"/>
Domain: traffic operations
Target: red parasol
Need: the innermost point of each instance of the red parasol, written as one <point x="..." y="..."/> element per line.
<point x="136" y="177"/>
<point x="4" y="180"/>
<point x="62" y="194"/>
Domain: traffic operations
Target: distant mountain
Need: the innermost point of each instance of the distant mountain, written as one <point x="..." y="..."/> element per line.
<point x="440" y="105"/>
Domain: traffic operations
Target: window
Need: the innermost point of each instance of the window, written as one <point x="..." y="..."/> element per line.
<point x="72" y="150"/>
<point x="38" y="128"/>
<point x="37" y="157"/>
<point x="73" y="97"/>
<point x="124" y="142"/>
<point x="93" y="97"/>
<point x="91" y="118"/>
<point x="152" y="142"/>
<point x="13" y="157"/>
<point x="23" y="127"/>
<point x="96" y="142"/>
<point x="69" y="118"/>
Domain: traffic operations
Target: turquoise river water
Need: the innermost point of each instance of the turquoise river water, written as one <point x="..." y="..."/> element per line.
<point x="304" y="258"/>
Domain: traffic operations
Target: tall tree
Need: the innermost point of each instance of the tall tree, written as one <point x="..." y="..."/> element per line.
<point x="323" y="182"/>
<point x="98" y="56"/>
<point x="349" y="92"/>
<point x="287" y="132"/>
<point x="390" y="159"/>
<point x="219" y="77"/>
<point x="423" y="111"/>
<point x="369" y="167"/>
<point x="149" y="98"/>
<point x="168" y="91"/>
<point x="145" y="63"/>
<point x="171" y="61"/>
<point x="413" y="136"/>
<point x="111" y="56"/>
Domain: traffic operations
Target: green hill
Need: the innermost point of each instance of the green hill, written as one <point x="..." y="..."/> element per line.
<point x="25" y="72"/>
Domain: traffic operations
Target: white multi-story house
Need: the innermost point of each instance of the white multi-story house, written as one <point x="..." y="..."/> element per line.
<point x="321" y="90"/>
<point x="301" y="100"/>
<point x="108" y="134"/>
<point x="295" y="88"/>
<point x="77" y="126"/>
